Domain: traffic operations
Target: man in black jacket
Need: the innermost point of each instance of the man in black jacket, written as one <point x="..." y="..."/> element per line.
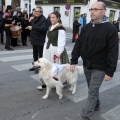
<point x="38" y="29"/>
<point x="98" y="47"/>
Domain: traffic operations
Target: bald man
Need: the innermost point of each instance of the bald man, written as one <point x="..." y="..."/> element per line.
<point x="98" y="47"/>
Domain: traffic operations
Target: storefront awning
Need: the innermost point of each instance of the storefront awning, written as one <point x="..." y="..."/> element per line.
<point x="61" y="1"/>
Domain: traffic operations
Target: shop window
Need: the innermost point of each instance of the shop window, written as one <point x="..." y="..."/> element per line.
<point x="56" y="9"/>
<point x="111" y="15"/>
<point x="26" y="5"/>
<point x="77" y="12"/>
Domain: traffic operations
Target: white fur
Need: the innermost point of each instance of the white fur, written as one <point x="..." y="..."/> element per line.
<point x="64" y="75"/>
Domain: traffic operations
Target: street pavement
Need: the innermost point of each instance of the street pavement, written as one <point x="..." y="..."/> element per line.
<point x="20" y="99"/>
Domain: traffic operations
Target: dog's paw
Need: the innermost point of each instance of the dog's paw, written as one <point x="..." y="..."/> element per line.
<point x="73" y="92"/>
<point x="45" y="97"/>
<point x="60" y="96"/>
<point x="70" y="89"/>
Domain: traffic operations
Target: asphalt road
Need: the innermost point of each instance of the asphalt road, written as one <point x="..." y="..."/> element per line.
<point x="20" y="99"/>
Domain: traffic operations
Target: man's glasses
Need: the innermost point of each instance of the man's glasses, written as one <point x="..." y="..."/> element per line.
<point x="38" y="11"/>
<point x="94" y="9"/>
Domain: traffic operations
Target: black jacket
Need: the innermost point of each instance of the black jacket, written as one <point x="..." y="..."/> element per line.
<point x="98" y="47"/>
<point x="76" y="25"/>
<point x="38" y="32"/>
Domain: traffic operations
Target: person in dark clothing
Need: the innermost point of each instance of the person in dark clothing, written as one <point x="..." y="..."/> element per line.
<point x="48" y="20"/>
<point x="38" y="29"/>
<point x="98" y="47"/>
<point x="1" y="24"/>
<point x="116" y="24"/>
<point x="30" y="20"/>
<point x="33" y="12"/>
<point x="7" y="19"/>
<point x="76" y="25"/>
<point x="17" y="19"/>
<point x="25" y="23"/>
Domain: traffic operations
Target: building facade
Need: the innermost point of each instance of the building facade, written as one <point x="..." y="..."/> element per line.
<point x="71" y="8"/>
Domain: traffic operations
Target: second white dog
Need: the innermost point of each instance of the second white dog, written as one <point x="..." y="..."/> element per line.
<point x="54" y="75"/>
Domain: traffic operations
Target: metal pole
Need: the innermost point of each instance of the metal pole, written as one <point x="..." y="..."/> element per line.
<point x="0" y="2"/>
<point x="29" y="7"/>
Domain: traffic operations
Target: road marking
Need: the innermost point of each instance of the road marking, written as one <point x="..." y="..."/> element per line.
<point x="21" y="57"/>
<point x="36" y="77"/>
<point x="113" y="114"/>
<point x="15" y="58"/>
<point x="22" y="66"/>
<point x="82" y="90"/>
<point x="15" y="51"/>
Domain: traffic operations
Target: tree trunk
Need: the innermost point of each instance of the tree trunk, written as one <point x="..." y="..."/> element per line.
<point x="15" y="3"/>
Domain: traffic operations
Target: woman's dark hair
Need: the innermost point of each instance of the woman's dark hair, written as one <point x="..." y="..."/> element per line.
<point x="24" y="15"/>
<point x="58" y="15"/>
<point x="20" y="13"/>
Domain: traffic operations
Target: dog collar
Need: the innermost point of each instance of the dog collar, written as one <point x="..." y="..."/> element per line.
<point x="55" y="78"/>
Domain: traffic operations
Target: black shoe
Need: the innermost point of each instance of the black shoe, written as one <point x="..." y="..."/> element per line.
<point x="10" y="49"/>
<point x="32" y="69"/>
<point x="97" y="107"/>
<point x="85" y="118"/>
<point x="36" y="71"/>
<point x="13" y="45"/>
<point x="25" y="44"/>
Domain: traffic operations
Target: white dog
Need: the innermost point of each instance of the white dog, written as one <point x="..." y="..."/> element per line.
<point x="54" y="75"/>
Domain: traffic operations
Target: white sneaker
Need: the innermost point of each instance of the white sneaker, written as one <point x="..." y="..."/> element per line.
<point x="39" y="88"/>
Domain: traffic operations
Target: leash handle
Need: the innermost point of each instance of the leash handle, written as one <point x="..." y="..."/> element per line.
<point x="55" y="57"/>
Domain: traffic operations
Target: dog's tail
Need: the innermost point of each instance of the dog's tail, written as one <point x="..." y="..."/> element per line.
<point x="80" y="69"/>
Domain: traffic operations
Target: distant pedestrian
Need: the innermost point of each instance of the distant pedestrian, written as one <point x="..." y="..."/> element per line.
<point x="80" y="20"/>
<point x="1" y="24"/>
<point x="98" y="47"/>
<point x="17" y="19"/>
<point x="7" y="18"/>
<point x="76" y="25"/>
<point x="116" y="24"/>
<point x="18" y="9"/>
<point x="25" y="23"/>
<point x="84" y="19"/>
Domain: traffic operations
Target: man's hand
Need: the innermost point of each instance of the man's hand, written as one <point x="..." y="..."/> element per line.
<point x="72" y="68"/>
<point x="29" y="27"/>
<point x="107" y="78"/>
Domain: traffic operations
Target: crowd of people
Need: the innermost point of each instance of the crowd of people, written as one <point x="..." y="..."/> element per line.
<point x="96" y="43"/>
<point x="8" y="20"/>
